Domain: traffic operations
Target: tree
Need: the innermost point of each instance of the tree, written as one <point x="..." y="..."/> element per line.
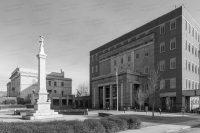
<point x="83" y="89"/>
<point x="141" y="96"/>
<point x="154" y="89"/>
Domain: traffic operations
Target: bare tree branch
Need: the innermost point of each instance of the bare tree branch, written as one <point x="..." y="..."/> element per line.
<point x="83" y="89"/>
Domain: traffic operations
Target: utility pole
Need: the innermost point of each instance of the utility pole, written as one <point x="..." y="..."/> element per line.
<point x="117" y="85"/>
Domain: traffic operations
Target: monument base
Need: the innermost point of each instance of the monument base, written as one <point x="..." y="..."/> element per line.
<point x="42" y="111"/>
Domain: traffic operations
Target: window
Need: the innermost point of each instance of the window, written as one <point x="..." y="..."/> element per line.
<point x="62" y="84"/>
<point x="137" y="56"/>
<point x="173" y="83"/>
<point x="129" y="57"/>
<point x="186" y="84"/>
<point x="185" y="25"/>
<point x="146" y="69"/>
<point x="195" y="34"/>
<point x="162" y="47"/>
<point x="173" y="63"/>
<point x="162" y="84"/>
<point x="92" y="69"/>
<point x="189" y="28"/>
<point x="192" y="84"/>
<point x="173" y="24"/>
<point x="198" y="37"/>
<point x="189" y="47"/>
<point x="56" y="102"/>
<point x="192" y="49"/>
<point x="55" y="83"/>
<point x="146" y="52"/>
<point x="96" y="68"/>
<point x="92" y="58"/>
<point x="196" y="52"/>
<point x="188" y="66"/>
<point x="96" y="56"/>
<point x="49" y="83"/>
<point x="192" y="67"/>
<point x="172" y="44"/>
<point x="115" y="63"/>
<point x="55" y="91"/>
<point x="185" y="44"/>
<point x="122" y="60"/>
<point x="162" y="65"/>
<point x="192" y="32"/>
<point x="185" y="64"/>
<point x="195" y="69"/>
<point x="162" y="29"/>
<point x="195" y="86"/>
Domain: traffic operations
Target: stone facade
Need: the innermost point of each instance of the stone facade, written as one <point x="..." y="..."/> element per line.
<point x="25" y="81"/>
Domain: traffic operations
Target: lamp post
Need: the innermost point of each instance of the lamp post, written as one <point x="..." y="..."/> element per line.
<point x="33" y="96"/>
<point x="117" y="85"/>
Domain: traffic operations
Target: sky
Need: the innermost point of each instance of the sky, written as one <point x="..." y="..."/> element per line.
<point x="71" y="29"/>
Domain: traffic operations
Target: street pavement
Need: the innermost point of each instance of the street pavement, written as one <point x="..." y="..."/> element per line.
<point x="161" y="128"/>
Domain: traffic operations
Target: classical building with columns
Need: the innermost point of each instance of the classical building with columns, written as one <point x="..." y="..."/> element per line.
<point x="171" y="42"/>
<point x="24" y="82"/>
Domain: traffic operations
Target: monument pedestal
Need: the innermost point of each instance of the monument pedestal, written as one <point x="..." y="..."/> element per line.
<point x="42" y="110"/>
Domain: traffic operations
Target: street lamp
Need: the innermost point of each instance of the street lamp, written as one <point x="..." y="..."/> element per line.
<point x="117" y="85"/>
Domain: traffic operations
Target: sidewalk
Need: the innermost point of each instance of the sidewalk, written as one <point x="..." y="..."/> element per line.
<point x="165" y="128"/>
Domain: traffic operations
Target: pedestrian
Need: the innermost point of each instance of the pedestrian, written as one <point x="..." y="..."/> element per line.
<point x="108" y="108"/>
<point x="124" y="110"/>
<point x="135" y="109"/>
<point x="160" y="110"/>
<point x="87" y="111"/>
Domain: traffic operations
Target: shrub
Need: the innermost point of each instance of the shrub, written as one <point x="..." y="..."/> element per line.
<point x="20" y="129"/>
<point x="81" y="128"/>
<point x="121" y="124"/>
<point x="133" y="122"/>
<point x="95" y="126"/>
<point x="110" y="126"/>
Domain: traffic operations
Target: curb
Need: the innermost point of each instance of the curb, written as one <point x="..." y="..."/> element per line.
<point x="182" y="129"/>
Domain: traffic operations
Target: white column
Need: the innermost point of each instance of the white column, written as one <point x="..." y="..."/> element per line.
<point x="111" y="97"/>
<point x="122" y="95"/>
<point x="104" y="97"/>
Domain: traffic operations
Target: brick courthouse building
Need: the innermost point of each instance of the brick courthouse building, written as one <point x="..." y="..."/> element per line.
<point x="172" y="41"/>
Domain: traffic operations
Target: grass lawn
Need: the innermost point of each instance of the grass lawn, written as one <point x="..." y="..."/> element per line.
<point x="163" y="119"/>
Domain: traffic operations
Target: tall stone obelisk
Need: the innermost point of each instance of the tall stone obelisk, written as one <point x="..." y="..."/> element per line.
<point x="42" y="103"/>
<point x="42" y="108"/>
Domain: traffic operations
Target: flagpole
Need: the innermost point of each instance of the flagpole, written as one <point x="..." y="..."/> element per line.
<point x="117" y="85"/>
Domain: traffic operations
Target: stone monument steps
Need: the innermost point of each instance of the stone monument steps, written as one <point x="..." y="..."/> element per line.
<point x="42" y="117"/>
<point x="39" y="114"/>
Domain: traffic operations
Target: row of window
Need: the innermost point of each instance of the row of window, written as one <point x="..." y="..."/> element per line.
<point x="192" y="30"/>
<point x="172" y="64"/>
<point x="172" y="26"/>
<point x="162" y="66"/>
<point x="191" y="48"/>
<point x="191" y="67"/>
<point x="162" y="31"/>
<point x="55" y="83"/>
<point x="189" y="84"/>
<point x="172" y="45"/>
<point x="172" y="83"/>
<point x="94" y="68"/>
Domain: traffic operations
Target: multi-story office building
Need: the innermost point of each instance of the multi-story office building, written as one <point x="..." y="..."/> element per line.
<point x="25" y="81"/>
<point x="171" y="42"/>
